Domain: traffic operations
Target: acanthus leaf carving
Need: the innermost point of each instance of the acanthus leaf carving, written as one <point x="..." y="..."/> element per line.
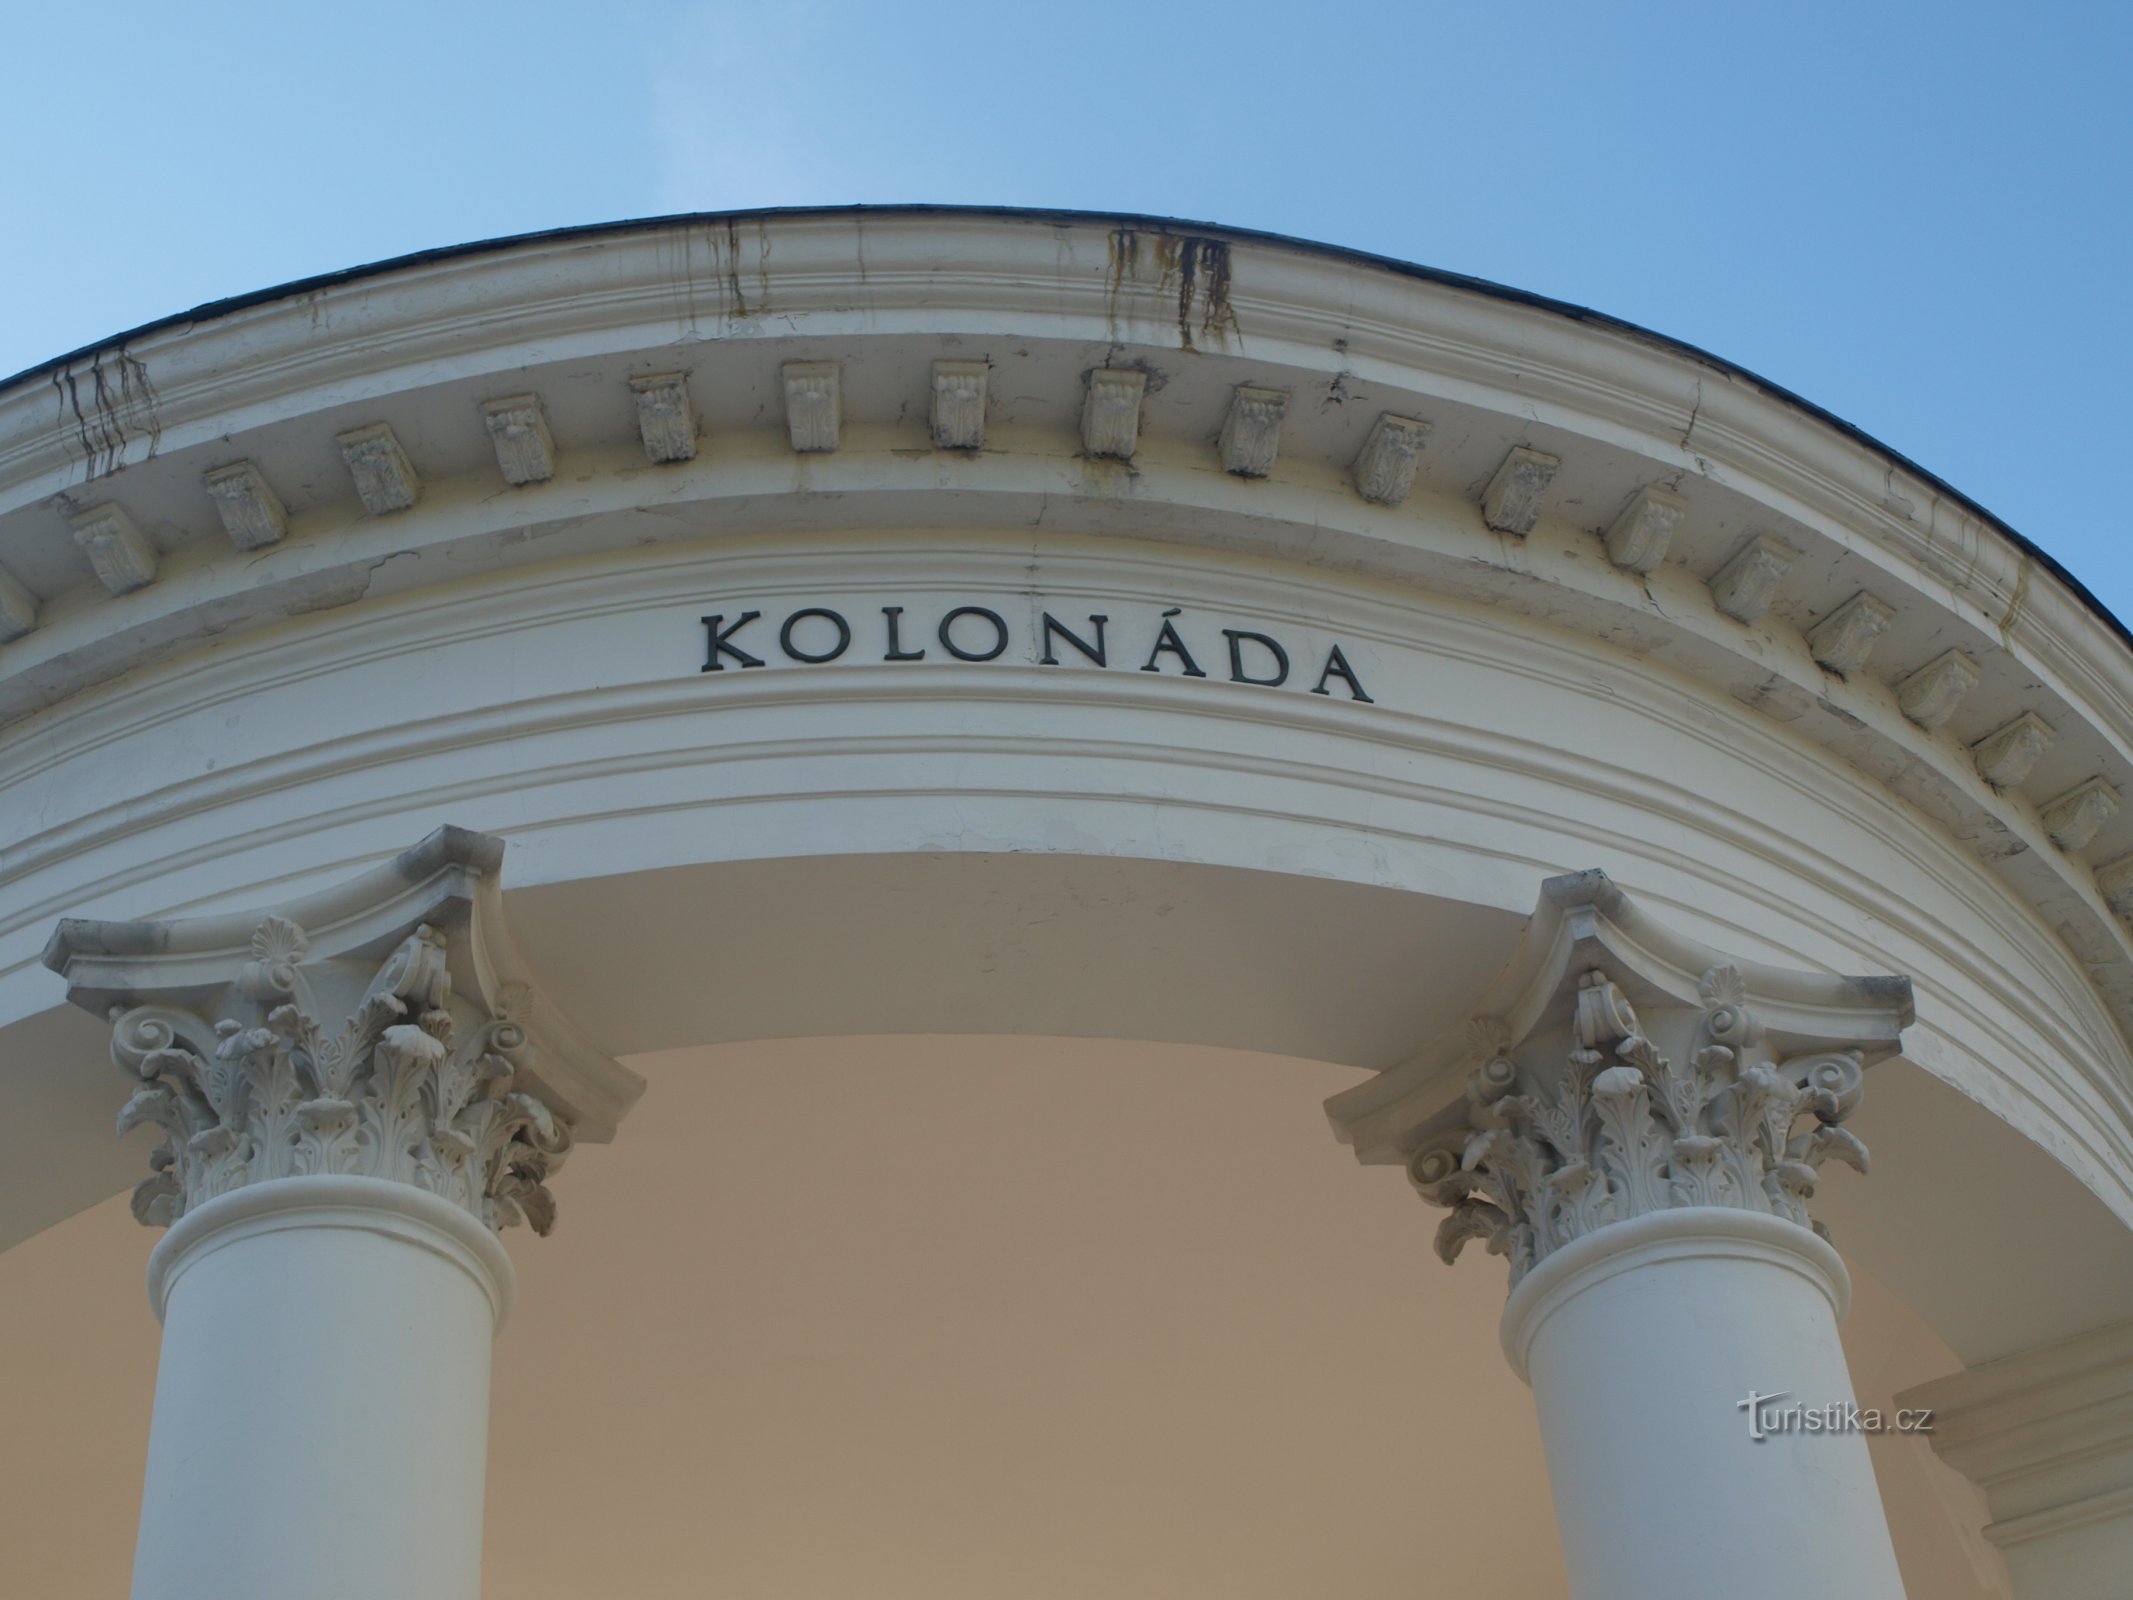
<point x="1550" y="1153"/>
<point x="399" y="1091"/>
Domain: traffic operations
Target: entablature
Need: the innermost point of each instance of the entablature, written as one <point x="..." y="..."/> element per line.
<point x="698" y="378"/>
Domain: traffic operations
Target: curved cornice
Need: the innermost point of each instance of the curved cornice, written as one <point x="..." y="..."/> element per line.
<point x="57" y="366"/>
<point x="1695" y="514"/>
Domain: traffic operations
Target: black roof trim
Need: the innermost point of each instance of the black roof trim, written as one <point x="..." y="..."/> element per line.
<point x="1457" y="280"/>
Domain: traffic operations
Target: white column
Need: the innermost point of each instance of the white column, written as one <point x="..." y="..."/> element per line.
<point x="347" y="1121"/>
<point x="2048" y="1435"/>
<point x="1637" y="1124"/>
<point x="322" y="1407"/>
<point x="1640" y="1341"/>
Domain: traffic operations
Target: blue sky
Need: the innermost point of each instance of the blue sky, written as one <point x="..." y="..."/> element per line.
<point x="1916" y="215"/>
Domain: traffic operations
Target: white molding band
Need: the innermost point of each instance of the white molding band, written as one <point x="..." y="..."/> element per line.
<point x="2048" y="1435"/>
<point x="1700" y="1233"/>
<point x="2102" y="1510"/>
<point x="382" y="1206"/>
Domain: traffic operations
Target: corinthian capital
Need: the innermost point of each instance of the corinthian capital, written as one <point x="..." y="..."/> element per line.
<point x="1618" y="1069"/>
<point x="399" y="1038"/>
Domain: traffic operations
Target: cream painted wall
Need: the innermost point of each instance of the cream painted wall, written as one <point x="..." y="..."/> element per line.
<point x="943" y="1317"/>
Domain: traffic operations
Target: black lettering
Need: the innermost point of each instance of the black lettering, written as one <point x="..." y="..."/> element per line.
<point x="1168" y="640"/>
<point x="1237" y="674"/>
<point x="897" y="652"/>
<point x="844" y="636"/>
<point x="999" y="628"/>
<point x="1053" y="625"/>
<point x="721" y="643"/>
<point x="1337" y="667"/>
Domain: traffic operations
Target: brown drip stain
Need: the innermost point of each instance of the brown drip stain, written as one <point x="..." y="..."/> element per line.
<point x="1190" y="268"/>
<point x="111" y="404"/>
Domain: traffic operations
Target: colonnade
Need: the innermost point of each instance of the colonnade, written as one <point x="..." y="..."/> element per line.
<point x="356" y="1096"/>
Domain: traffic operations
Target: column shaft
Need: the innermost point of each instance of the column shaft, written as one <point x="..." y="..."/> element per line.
<point x="1637" y="1123"/>
<point x="321" y="1410"/>
<point x="1640" y="1342"/>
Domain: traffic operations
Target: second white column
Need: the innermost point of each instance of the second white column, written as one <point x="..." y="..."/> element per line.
<point x="1637" y="1124"/>
<point x="1641" y="1342"/>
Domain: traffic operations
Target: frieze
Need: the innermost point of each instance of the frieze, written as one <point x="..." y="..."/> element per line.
<point x="736" y="640"/>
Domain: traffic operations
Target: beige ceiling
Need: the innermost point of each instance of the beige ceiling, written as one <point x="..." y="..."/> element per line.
<point x="922" y="1318"/>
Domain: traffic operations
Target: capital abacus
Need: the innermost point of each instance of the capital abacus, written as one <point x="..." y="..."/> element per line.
<point x="815" y="635"/>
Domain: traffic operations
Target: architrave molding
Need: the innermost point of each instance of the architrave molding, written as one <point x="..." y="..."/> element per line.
<point x="2048" y="1435"/>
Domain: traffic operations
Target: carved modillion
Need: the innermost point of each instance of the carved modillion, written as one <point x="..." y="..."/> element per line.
<point x="121" y="554"/>
<point x="1384" y="471"/>
<point x="18" y="607"/>
<point x="1844" y="639"/>
<point x="252" y="513"/>
<point x="2114" y="881"/>
<point x="1516" y="495"/>
<point x="384" y="478"/>
<point x="1637" y="539"/>
<point x="1111" y="412"/>
<point x="1744" y="587"/>
<point x="1930" y="695"/>
<point x="958" y="407"/>
<point x="666" y="421"/>
<point x="2075" y="818"/>
<point x="1251" y="432"/>
<point x="2006" y="756"/>
<point x="814" y="405"/>
<point x="518" y="429"/>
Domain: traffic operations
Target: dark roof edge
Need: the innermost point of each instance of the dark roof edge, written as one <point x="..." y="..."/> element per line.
<point x="1457" y="280"/>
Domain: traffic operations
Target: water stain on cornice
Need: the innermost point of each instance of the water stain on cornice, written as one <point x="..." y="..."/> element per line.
<point x="106" y="406"/>
<point x="1194" y="268"/>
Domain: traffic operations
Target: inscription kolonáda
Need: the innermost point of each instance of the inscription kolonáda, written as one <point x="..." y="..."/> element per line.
<point x="813" y="635"/>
